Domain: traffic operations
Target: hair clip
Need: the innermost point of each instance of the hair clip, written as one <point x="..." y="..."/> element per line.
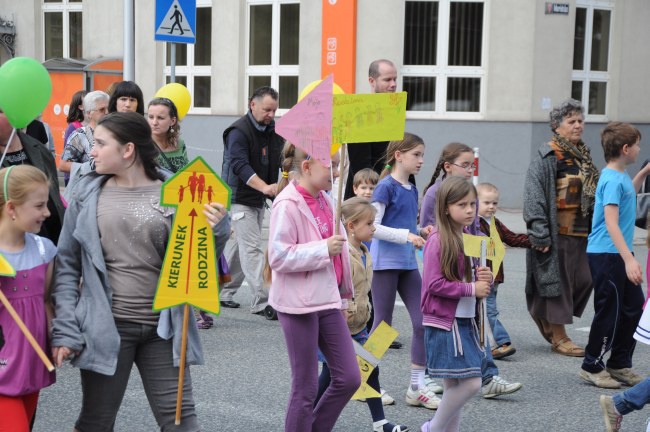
<point x="285" y="174"/>
<point x="387" y="167"/>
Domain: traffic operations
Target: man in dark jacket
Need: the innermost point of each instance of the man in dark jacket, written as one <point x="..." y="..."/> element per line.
<point x="251" y="165"/>
<point x="24" y="149"/>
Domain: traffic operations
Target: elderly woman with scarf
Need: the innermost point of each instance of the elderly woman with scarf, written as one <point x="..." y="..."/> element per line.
<point x="558" y="205"/>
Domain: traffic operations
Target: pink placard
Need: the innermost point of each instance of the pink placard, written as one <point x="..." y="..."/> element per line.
<point x="308" y="125"/>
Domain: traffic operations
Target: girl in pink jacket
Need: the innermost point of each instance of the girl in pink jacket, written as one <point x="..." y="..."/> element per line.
<point x="311" y="282"/>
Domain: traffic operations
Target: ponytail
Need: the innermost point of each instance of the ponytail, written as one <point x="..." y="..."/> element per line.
<point x="408" y="143"/>
<point x="292" y="158"/>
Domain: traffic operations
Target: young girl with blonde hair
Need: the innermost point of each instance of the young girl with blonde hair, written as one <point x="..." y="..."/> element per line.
<point x="23" y="200"/>
<point x="359" y="216"/>
<point x="310" y="289"/>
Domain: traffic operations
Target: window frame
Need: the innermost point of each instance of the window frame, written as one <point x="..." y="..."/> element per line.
<point x="442" y="71"/>
<point x="586" y="76"/>
<point x="65" y="7"/>
<point x="275" y="70"/>
<point x="191" y="71"/>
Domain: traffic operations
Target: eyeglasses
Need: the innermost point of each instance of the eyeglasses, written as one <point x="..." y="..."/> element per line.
<point x="466" y="166"/>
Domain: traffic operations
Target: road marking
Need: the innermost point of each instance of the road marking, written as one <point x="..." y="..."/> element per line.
<point x="584" y="329"/>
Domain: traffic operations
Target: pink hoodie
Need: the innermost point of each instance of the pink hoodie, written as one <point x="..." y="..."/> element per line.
<point x="304" y="280"/>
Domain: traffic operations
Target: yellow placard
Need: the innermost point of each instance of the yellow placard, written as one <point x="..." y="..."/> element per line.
<point x="5" y="268"/>
<point x="367" y="357"/>
<point x="189" y="272"/>
<point x="495" y="249"/>
<point x="368" y="117"/>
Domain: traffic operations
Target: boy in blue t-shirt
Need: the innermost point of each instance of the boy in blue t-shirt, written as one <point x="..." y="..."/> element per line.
<point x="616" y="274"/>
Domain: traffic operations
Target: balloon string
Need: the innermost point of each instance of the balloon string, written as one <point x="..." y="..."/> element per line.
<point x="4" y="153"/>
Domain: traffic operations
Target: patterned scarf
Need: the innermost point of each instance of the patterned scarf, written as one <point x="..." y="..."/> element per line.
<point x="582" y="157"/>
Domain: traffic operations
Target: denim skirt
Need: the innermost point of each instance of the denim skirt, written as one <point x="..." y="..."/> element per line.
<point x="456" y="353"/>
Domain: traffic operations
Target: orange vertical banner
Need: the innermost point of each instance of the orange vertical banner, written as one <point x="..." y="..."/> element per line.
<point x="339" y="44"/>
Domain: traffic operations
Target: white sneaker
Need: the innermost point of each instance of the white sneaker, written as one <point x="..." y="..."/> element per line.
<point x="432" y="385"/>
<point x="386" y="399"/>
<point x="497" y="387"/>
<point x="422" y="397"/>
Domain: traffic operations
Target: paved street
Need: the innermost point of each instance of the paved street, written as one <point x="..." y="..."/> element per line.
<point x="245" y="384"/>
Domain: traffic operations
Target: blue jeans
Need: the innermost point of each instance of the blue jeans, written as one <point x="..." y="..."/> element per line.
<point x="633" y="398"/>
<point x="488" y="367"/>
<point x="500" y="333"/>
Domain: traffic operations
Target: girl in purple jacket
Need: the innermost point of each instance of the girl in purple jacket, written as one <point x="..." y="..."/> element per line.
<point x="449" y="293"/>
<point x="310" y="287"/>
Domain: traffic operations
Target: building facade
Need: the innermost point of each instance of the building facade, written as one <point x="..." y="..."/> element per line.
<point x="483" y="72"/>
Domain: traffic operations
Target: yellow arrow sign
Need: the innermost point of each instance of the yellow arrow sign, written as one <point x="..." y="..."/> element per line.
<point x="495" y="249"/>
<point x="369" y="355"/>
<point x="189" y="272"/>
<point x="5" y="268"/>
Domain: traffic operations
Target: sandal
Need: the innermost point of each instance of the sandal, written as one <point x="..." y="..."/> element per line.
<point x="541" y="325"/>
<point x="565" y="346"/>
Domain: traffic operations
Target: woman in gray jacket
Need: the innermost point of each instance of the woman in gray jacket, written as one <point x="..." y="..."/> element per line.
<point x="558" y="204"/>
<point x="110" y="256"/>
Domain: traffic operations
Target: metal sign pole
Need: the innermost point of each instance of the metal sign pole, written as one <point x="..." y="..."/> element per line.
<point x="172" y="53"/>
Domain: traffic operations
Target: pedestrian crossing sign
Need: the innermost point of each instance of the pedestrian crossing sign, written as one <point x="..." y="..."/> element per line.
<point x="175" y="21"/>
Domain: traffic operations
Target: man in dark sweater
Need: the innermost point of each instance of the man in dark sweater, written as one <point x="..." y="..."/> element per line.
<point x="24" y="149"/>
<point x="251" y="165"/>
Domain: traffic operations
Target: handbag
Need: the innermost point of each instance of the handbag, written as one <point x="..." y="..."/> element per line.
<point x="643" y="203"/>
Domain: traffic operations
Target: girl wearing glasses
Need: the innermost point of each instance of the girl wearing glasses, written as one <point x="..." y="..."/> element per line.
<point x="456" y="159"/>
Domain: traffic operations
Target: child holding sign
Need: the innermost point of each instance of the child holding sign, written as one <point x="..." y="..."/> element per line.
<point x="457" y="160"/>
<point x="115" y="235"/>
<point x="488" y="200"/>
<point x="23" y="197"/>
<point x="310" y="289"/>
<point x="358" y="216"/>
<point x="449" y="293"/>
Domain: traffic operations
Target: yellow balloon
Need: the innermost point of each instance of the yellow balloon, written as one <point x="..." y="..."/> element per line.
<point x="179" y="94"/>
<point x="312" y="85"/>
<point x="336" y="89"/>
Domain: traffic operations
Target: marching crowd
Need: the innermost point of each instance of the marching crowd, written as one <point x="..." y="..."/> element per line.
<point x="87" y="263"/>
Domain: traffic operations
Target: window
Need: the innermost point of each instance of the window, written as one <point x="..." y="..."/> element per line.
<point x="62" y="29"/>
<point x="443" y="56"/>
<point x="591" y="41"/>
<point x="273" y="43"/>
<point x="193" y="61"/>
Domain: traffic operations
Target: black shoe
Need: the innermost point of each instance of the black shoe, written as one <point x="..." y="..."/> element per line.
<point x="229" y="304"/>
<point x="270" y="313"/>
<point x="396" y="345"/>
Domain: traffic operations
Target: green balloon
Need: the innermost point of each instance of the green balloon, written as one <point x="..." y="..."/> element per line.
<point x="25" y="90"/>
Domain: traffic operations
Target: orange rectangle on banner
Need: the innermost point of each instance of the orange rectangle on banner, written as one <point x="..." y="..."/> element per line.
<point x="339" y="44"/>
